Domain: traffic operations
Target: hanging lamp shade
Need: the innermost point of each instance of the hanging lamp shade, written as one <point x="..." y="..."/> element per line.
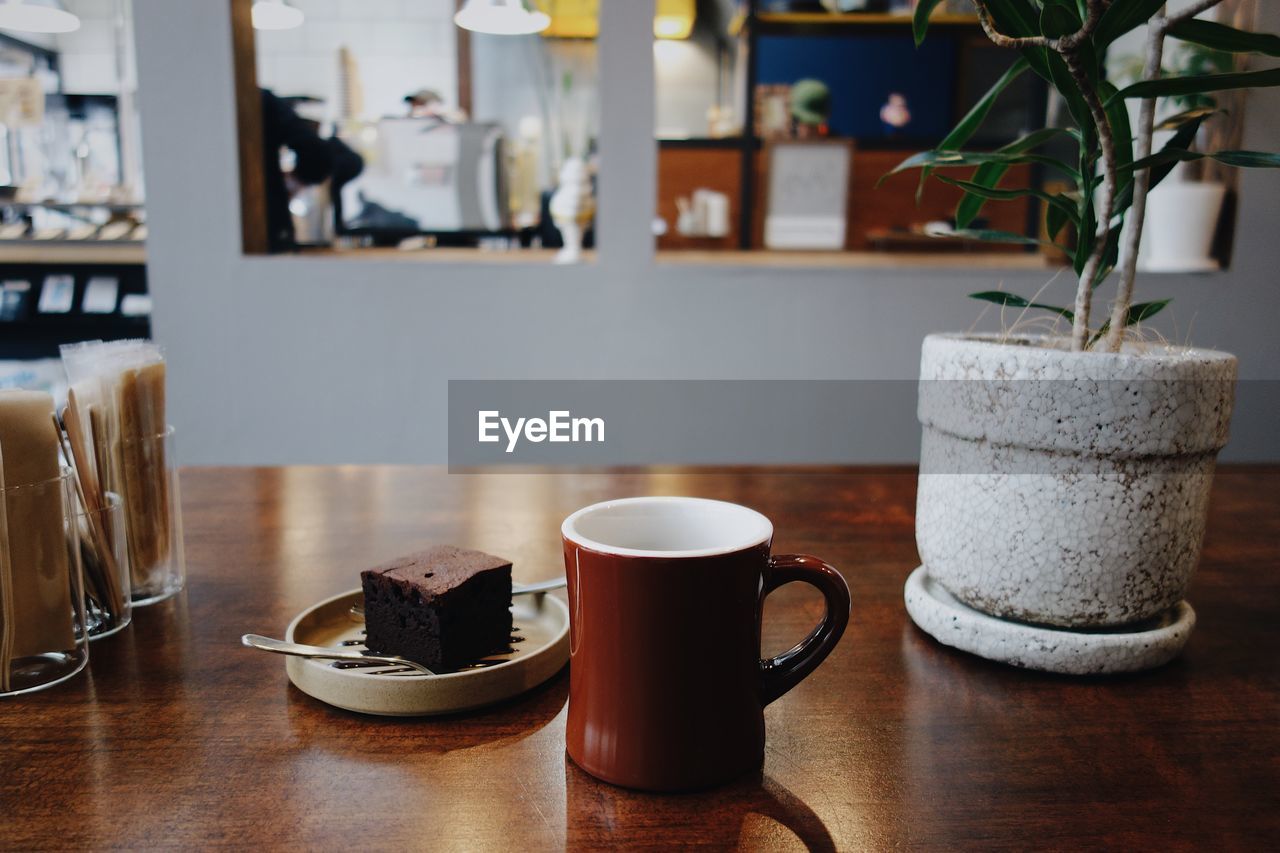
<point x="673" y="19"/>
<point x="276" y="15"/>
<point x="30" y="18"/>
<point x="500" y="18"/>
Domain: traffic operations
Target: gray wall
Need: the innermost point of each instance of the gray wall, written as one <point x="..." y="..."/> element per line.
<point x="278" y="360"/>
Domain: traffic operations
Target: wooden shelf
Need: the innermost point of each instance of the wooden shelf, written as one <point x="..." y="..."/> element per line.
<point x="856" y="18"/>
<point x="69" y="206"/>
<point x="733" y="142"/>
<point x="72" y="252"/>
<point x="849" y="19"/>
<point x="440" y="254"/>
<point x="859" y="260"/>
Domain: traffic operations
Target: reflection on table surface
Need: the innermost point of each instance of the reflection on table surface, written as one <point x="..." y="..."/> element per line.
<point x="178" y="736"/>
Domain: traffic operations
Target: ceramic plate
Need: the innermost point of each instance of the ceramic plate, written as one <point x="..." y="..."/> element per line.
<point x="540" y="651"/>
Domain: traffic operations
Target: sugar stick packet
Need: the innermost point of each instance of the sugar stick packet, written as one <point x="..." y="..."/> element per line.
<point x="117" y="394"/>
<point x="35" y="613"/>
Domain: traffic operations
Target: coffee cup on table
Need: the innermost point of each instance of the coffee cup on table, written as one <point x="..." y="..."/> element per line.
<point x="666" y="685"/>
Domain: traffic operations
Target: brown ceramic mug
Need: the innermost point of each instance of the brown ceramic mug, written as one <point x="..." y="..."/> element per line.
<point x="666" y="685"/>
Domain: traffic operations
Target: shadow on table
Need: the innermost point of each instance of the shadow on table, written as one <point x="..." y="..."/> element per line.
<point x="317" y="724"/>
<point x="753" y="812"/>
<point x="153" y="658"/>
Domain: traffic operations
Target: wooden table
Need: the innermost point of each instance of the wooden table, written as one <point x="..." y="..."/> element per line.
<point x="178" y="737"/>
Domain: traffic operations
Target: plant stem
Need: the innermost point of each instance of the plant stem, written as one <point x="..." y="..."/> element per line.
<point x="1141" y="185"/>
<point x="1093" y="264"/>
<point x="1069" y="47"/>
<point x="999" y="39"/>
<point x="1156" y="31"/>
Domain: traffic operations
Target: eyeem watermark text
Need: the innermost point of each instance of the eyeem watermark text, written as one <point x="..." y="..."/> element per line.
<point x="558" y="427"/>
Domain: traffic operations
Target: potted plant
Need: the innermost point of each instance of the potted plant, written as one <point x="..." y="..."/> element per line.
<point x="1065" y="478"/>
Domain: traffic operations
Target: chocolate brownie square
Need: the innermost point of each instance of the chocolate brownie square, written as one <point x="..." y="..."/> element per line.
<point x="442" y="607"/>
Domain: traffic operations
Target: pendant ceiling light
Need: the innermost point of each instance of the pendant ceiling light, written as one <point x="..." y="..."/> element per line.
<point x="501" y="18"/>
<point x="673" y="19"/>
<point x="30" y="18"/>
<point x="275" y="15"/>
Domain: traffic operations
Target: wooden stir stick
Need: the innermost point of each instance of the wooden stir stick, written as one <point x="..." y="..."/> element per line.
<point x="105" y="572"/>
<point x="91" y="476"/>
<point x="6" y="589"/>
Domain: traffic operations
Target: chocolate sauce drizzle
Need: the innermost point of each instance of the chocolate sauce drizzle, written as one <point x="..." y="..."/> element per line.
<point x="492" y="659"/>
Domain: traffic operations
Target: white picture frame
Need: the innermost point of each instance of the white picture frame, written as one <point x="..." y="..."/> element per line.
<point x="807" y="194"/>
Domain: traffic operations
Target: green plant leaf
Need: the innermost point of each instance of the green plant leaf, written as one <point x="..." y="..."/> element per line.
<point x="986" y="235"/>
<point x="1086" y="234"/>
<point x="968" y="125"/>
<point x="1196" y="115"/>
<point x="1061" y="18"/>
<point x="955" y="159"/>
<point x="920" y="20"/>
<point x="1062" y="80"/>
<point x="1182" y="140"/>
<point x="1121" y="134"/>
<point x="1014" y="17"/>
<point x="1144" y="310"/>
<point x="989" y="174"/>
<point x="1247" y="159"/>
<point x="1122" y="140"/>
<point x="1121" y="137"/>
<point x="1020" y="18"/>
<point x="1164" y="87"/>
<point x="1012" y="300"/>
<point x="1058" y="19"/>
<point x="1135" y="314"/>
<point x="1086" y="201"/>
<point x="1121" y="17"/>
<point x="1036" y="138"/>
<point x="1110" y="254"/>
<point x="1240" y="159"/>
<point x="1217" y="36"/>
<point x="1055" y="220"/>
<point x="997" y="194"/>
<point x="986" y="175"/>
<point x="1038" y="59"/>
<point x="1188" y="125"/>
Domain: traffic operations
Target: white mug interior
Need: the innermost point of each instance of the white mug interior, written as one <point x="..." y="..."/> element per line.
<point x="666" y="527"/>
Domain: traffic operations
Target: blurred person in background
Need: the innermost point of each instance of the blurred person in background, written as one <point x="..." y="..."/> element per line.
<point x="316" y="159"/>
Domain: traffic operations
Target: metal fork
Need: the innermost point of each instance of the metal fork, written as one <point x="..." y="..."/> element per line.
<point x="280" y="647"/>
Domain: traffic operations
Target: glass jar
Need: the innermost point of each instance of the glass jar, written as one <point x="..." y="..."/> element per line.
<point x="43" y="638"/>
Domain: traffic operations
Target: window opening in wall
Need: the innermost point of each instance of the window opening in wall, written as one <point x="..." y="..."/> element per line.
<point x="434" y="128"/>
<point x="750" y="87"/>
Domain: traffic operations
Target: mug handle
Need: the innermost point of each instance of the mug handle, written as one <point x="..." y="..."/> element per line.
<point x="779" y="674"/>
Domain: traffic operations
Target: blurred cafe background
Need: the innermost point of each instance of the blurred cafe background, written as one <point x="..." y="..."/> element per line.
<point x="670" y="158"/>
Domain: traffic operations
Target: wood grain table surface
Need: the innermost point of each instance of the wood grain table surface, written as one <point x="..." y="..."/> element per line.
<point x="177" y="737"/>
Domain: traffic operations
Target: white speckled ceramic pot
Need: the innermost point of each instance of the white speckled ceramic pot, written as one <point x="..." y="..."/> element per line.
<point x="1066" y="488"/>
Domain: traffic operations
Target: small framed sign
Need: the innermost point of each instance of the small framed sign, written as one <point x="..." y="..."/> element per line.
<point x="21" y="102"/>
<point x="807" y="196"/>
<point x="13" y="300"/>
<point x="773" y="111"/>
<point x="100" y="295"/>
<point x="58" y="294"/>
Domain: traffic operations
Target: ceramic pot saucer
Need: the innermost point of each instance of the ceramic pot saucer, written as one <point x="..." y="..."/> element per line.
<point x="952" y="623"/>
<point x="540" y="650"/>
